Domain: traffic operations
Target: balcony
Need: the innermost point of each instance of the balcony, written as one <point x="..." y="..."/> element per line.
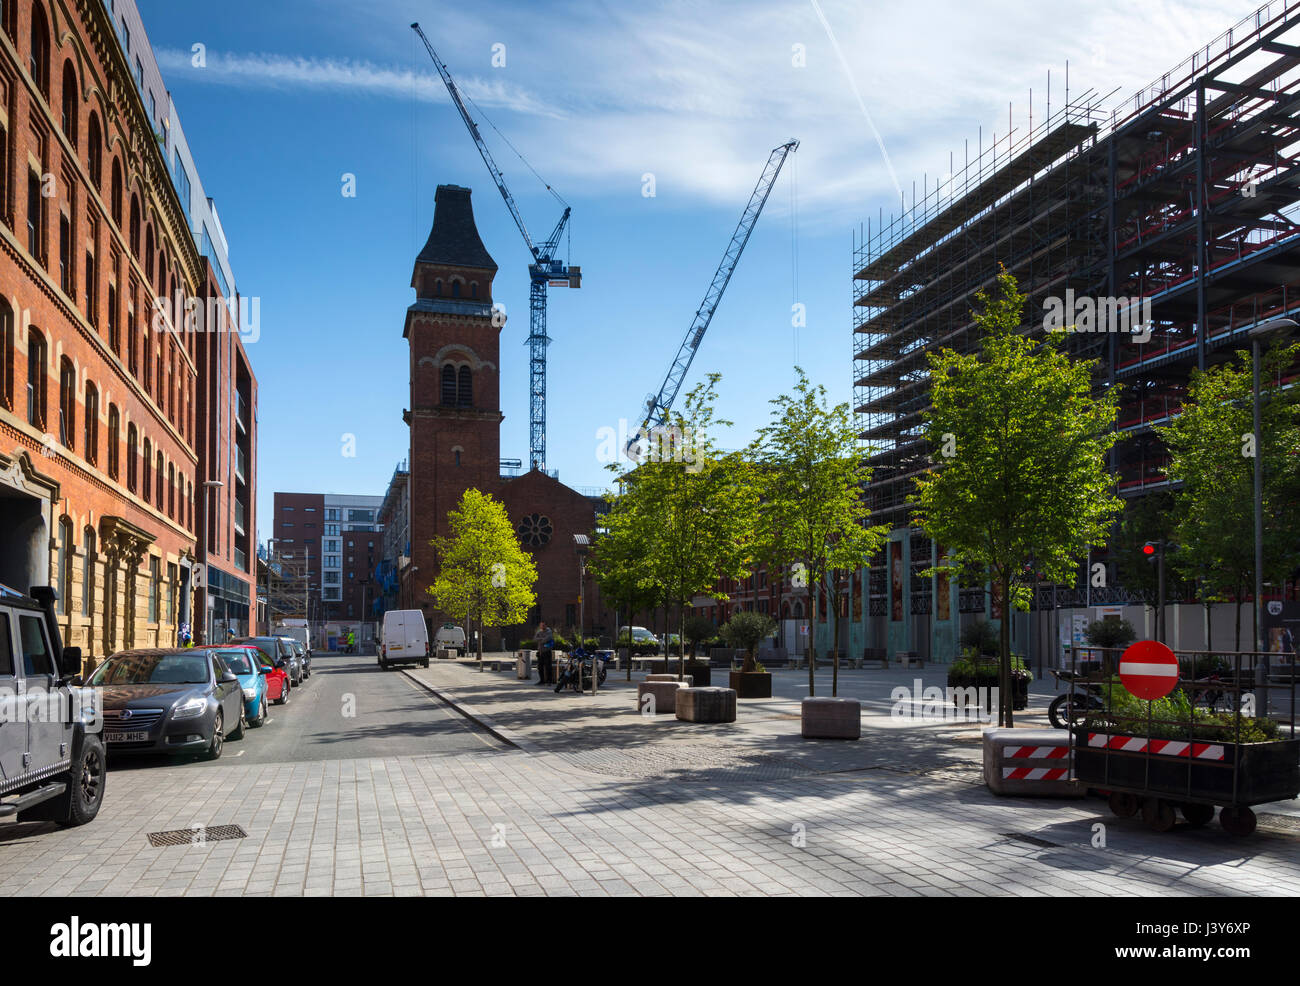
<point x="240" y="517"/>
<point x="240" y="458"/>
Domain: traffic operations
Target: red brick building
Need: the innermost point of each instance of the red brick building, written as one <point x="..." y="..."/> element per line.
<point x="98" y="390"/>
<point x="455" y="421"/>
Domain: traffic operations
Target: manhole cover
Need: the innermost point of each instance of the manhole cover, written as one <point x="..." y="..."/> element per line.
<point x="196" y="836"/>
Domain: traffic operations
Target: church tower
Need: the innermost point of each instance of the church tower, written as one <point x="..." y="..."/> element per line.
<point x="455" y="410"/>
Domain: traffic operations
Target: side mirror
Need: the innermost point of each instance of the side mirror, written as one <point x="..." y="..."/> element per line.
<point x="228" y="676"/>
<point x="71" y="661"/>
<point x="264" y="669"/>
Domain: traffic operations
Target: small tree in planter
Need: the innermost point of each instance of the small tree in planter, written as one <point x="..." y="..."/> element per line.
<point x="981" y="637"/>
<point x="698" y="628"/>
<point x="1110" y="633"/>
<point x="743" y="632"/>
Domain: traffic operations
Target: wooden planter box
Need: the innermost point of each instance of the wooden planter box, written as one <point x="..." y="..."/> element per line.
<point x="1162" y="768"/>
<point x="751" y="684"/>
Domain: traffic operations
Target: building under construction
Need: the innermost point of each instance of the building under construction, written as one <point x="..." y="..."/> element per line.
<point x="1183" y="197"/>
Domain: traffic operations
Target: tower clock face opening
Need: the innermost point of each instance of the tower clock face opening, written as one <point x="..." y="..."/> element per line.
<point x="535" y="530"/>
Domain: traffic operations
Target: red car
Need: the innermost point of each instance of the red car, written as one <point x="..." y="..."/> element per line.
<point x="277" y="679"/>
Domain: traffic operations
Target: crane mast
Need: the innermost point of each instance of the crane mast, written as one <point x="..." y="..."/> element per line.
<point x="658" y="405"/>
<point x="545" y="271"/>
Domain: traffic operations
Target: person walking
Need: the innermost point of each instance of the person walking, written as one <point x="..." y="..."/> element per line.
<point x="545" y="654"/>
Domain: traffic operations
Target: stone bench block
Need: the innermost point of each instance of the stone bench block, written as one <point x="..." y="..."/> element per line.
<point x="706" y="704"/>
<point x="663" y="692"/>
<point x="1029" y="763"/>
<point x="831" y="718"/>
<point x="687" y="680"/>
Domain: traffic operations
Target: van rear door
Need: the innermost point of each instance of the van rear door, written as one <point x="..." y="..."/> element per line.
<point x="395" y="634"/>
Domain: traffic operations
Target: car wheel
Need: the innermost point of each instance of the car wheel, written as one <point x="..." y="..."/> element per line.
<point x="284" y="693"/>
<point x="85" y="784"/>
<point x="261" y="713"/>
<point x="238" y="734"/>
<point x="218" y="738"/>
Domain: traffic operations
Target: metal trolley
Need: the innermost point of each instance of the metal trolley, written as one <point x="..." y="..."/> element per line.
<point x="1168" y="764"/>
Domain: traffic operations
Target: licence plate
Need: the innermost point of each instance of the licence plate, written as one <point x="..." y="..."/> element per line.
<point x="126" y="737"/>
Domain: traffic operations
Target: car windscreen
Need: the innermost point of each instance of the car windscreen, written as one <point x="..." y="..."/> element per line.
<point x="152" y="669"/>
<point x="237" y="661"/>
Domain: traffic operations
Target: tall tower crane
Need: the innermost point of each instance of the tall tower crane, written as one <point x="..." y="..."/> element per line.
<point x="545" y="271"/>
<point x="658" y="405"/>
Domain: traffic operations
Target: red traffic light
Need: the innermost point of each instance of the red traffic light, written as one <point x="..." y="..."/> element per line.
<point x="1149" y="548"/>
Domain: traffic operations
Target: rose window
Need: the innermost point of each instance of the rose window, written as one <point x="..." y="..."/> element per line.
<point x="535" y="530"/>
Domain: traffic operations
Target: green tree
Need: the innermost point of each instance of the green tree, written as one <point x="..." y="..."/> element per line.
<point x="696" y="628"/>
<point x="1211" y="454"/>
<point x="622" y="559"/>
<point x="812" y="513"/>
<point x="484" y="577"/>
<point x="745" y="630"/>
<point x="698" y="504"/>
<point x="1021" y="467"/>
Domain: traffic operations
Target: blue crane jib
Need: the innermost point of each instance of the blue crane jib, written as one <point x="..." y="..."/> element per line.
<point x="657" y="406"/>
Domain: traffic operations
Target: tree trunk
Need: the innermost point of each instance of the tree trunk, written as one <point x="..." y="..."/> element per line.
<point x="834" y="610"/>
<point x="813" y="600"/>
<point x="681" y="643"/>
<point x="1004" y="678"/>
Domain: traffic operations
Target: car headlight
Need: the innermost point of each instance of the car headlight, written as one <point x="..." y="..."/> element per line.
<point x="250" y="693"/>
<point x="190" y="709"/>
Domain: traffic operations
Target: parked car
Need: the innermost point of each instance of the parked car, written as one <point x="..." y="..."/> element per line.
<point x="169" y="700"/>
<point x="405" y="639"/>
<point x="304" y="655"/>
<point x="299" y="634"/>
<point x="246" y="662"/>
<point x="450" y="637"/>
<point x="640" y="635"/>
<point x="277" y="649"/>
<point x="52" y="768"/>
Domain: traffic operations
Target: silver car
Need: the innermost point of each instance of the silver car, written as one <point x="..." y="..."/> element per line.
<point x="169" y="700"/>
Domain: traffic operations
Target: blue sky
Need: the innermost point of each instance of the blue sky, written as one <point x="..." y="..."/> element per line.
<point x="295" y="94"/>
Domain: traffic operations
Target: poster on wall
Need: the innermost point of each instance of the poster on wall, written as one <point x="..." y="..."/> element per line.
<point x="896" y="580"/>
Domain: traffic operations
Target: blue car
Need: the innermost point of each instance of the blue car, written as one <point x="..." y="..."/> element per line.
<point x="246" y="663"/>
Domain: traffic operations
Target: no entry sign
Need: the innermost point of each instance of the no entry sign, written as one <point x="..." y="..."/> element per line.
<point x="1148" y="669"/>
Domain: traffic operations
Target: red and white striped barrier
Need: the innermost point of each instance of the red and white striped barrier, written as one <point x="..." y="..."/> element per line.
<point x="1035" y="773"/>
<point x="1037" y="752"/>
<point x="1165" y="748"/>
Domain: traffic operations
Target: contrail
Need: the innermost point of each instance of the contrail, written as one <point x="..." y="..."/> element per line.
<point x="857" y="95"/>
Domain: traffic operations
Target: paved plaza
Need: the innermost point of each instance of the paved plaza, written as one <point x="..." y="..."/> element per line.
<point x="410" y="796"/>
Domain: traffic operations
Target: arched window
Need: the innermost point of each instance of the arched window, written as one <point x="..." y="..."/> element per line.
<point x="158" y="474"/>
<point x="6" y="355"/>
<point x="437" y="288"/>
<point x="135" y="225"/>
<point x="91" y="446"/>
<point x="71" y="101"/>
<point x="37" y="369"/>
<point x="114" y="436"/>
<point x="171" y="491"/>
<point x="132" y="457"/>
<point x="38" y="59"/>
<point x="148" y="252"/>
<point x="88" y="572"/>
<point x="465" y="388"/>
<point x="95" y="153"/>
<point x="449" y="384"/>
<point x="148" y="363"/>
<point x="65" y="565"/>
<point x="67" y="403"/>
<point x="455" y="289"/>
<point x="473" y="289"/>
<point x="146" y="483"/>
<point x="116" y="194"/>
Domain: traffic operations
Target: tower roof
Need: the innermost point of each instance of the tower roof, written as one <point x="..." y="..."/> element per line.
<point x="454" y="239"/>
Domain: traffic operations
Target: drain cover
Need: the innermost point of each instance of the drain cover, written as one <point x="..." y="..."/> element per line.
<point x="1032" y="840"/>
<point x="196" y="836"/>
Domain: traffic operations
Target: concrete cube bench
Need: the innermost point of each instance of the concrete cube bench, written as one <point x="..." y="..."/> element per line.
<point x="706" y="704"/>
<point x="1029" y="762"/>
<point x="831" y="718"/>
<point x="687" y="681"/>
<point x="663" y="694"/>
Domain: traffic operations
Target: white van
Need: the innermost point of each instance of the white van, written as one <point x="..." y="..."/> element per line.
<point x="450" y="637"/>
<point x="405" y="639"/>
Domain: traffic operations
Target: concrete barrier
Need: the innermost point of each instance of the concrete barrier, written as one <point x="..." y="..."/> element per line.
<point x="1029" y="763"/>
<point x="831" y="718"/>
<point x="664" y="694"/>
<point x="706" y="704"/>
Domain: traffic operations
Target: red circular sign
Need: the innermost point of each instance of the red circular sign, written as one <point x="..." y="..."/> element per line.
<point x="1148" y="669"/>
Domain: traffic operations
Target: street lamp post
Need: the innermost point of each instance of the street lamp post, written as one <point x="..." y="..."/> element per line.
<point x="208" y="486"/>
<point x="1271" y="331"/>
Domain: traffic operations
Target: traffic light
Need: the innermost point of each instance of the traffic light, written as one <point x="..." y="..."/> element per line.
<point x="1151" y="550"/>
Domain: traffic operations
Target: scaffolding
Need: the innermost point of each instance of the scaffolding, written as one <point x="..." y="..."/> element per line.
<point x="1181" y="198"/>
